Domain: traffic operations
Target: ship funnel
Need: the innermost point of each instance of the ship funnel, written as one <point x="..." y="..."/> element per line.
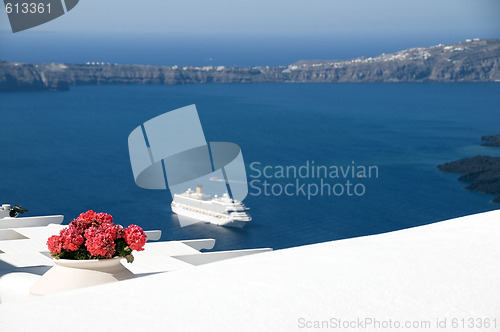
<point x="198" y="190"/>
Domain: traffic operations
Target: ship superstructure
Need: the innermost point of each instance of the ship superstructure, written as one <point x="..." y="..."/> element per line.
<point x="219" y="210"/>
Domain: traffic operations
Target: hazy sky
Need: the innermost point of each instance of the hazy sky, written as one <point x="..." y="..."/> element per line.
<point x="279" y="17"/>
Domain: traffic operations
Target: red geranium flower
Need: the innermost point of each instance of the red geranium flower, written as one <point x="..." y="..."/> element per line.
<point x="94" y="235"/>
<point x="55" y="244"/>
<point x="71" y="238"/>
<point x="135" y="237"/>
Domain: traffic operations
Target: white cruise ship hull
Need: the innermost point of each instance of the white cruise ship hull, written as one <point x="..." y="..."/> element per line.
<point x="213" y="218"/>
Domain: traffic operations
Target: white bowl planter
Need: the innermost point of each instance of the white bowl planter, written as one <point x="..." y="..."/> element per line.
<point x="67" y="274"/>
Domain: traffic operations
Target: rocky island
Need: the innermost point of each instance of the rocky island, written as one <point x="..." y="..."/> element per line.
<point x="491" y="140"/>
<point x="470" y="61"/>
<point x="482" y="172"/>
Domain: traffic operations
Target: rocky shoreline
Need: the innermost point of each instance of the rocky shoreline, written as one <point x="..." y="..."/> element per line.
<point x="471" y="61"/>
<point x="482" y="172"/>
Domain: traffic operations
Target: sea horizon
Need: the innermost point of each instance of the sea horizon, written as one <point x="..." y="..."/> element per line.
<point x="243" y="51"/>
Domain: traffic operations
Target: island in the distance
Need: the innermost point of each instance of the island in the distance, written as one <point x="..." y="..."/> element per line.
<point x="482" y="172"/>
<point x="491" y="140"/>
<point x="475" y="60"/>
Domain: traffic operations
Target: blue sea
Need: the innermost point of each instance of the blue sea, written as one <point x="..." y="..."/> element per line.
<point x="66" y="152"/>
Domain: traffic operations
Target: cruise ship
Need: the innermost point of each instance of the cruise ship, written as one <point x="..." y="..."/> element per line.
<point x="223" y="210"/>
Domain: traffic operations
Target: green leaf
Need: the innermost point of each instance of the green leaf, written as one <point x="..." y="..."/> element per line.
<point x="129" y="258"/>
